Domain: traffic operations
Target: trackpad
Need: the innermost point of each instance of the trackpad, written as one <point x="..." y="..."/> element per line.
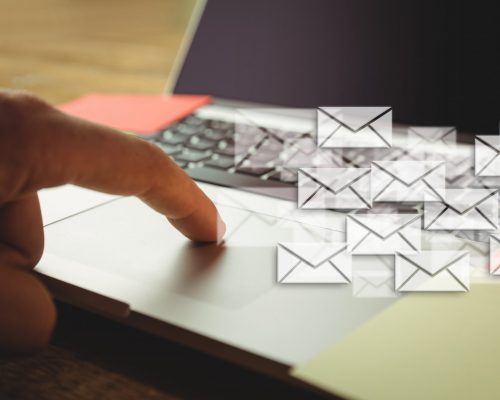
<point x="128" y="240"/>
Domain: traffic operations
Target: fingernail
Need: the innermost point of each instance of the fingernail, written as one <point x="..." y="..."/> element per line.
<point x="221" y="228"/>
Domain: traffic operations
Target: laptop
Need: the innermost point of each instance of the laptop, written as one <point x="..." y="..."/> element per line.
<point x="280" y="60"/>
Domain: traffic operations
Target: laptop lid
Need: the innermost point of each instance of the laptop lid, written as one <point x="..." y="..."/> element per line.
<point x="434" y="62"/>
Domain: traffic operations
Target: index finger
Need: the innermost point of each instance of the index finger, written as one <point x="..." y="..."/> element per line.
<point x="63" y="149"/>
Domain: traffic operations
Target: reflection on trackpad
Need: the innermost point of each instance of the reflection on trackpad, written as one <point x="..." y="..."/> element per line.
<point x="225" y="276"/>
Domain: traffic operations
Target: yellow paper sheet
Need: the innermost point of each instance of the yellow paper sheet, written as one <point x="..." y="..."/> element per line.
<point x="426" y="346"/>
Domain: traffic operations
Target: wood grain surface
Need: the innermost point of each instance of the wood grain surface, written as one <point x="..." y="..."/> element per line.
<point x="61" y="49"/>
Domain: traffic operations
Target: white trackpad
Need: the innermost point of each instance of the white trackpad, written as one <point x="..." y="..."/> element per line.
<point x="128" y="240"/>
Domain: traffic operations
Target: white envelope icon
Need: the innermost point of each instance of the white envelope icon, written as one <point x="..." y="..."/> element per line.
<point x="354" y="127"/>
<point x="408" y="180"/>
<point x="375" y="280"/>
<point x="495" y="254"/>
<point x="334" y="188"/>
<point x="459" y="169"/>
<point x="383" y="233"/>
<point x="433" y="271"/>
<point x="464" y="209"/>
<point x="274" y="222"/>
<point x="487" y="152"/>
<point x="423" y="137"/>
<point x="314" y="263"/>
<point x="303" y="152"/>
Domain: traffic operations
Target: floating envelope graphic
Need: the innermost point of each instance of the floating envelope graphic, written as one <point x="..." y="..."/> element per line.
<point x="464" y="209"/>
<point x="424" y="138"/>
<point x="383" y="233"/>
<point x="375" y="280"/>
<point x="487" y="155"/>
<point x="477" y="247"/>
<point x="459" y="241"/>
<point x="408" y="180"/>
<point x="303" y="152"/>
<point x="334" y="188"/>
<point x="495" y="254"/>
<point x="354" y="127"/>
<point x="314" y="263"/>
<point x="249" y="217"/>
<point x="459" y="169"/>
<point x="255" y="223"/>
<point x="433" y="271"/>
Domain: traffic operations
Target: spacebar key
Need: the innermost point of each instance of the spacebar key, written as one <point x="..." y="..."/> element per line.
<point x="192" y="156"/>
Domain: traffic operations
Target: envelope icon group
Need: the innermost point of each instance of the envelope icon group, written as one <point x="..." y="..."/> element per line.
<point x="354" y="126"/>
<point x="408" y="180"/>
<point x="314" y="263"/>
<point x="383" y="233"/>
<point x="487" y="155"/>
<point x="432" y="271"/>
<point x="334" y="188"/>
<point x="464" y="209"/>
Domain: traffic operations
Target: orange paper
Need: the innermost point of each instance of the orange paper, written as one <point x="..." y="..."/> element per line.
<point x="142" y="114"/>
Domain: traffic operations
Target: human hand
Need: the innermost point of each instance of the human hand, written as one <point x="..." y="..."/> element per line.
<point x="41" y="147"/>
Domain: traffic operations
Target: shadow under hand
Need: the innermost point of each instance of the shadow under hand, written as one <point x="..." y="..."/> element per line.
<point x="225" y="276"/>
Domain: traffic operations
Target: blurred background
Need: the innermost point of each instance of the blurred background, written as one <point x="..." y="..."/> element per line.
<point x="61" y="49"/>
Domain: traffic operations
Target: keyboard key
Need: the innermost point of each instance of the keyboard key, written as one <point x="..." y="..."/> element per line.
<point x="210" y="134"/>
<point x="220" y="125"/>
<point x="187" y="130"/>
<point x="200" y="144"/>
<point x="193" y="120"/>
<point x="171" y="138"/>
<point x="181" y="164"/>
<point x="253" y="171"/>
<point x="228" y="151"/>
<point x="169" y="149"/>
<point x="192" y="156"/>
<point x="220" y="162"/>
<point x="289" y="176"/>
<point x="271" y="146"/>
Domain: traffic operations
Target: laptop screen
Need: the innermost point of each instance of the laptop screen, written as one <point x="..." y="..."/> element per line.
<point x="435" y="62"/>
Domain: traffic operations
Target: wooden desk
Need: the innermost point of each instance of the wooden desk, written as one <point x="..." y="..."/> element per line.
<point x="61" y="49"/>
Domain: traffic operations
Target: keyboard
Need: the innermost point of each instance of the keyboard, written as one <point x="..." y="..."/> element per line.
<point x="208" y="151"/>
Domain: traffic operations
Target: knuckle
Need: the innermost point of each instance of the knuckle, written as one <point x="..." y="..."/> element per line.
<point x="16" y="109"/>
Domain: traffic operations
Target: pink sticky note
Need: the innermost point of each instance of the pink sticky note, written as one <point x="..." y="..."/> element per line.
<point x="143" y="114"/>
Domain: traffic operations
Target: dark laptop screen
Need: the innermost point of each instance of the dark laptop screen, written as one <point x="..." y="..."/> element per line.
<point x="436" y="62"/>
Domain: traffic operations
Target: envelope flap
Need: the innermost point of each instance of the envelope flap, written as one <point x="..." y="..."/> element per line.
<point x="314" y="254"/>
<point x="495" y="237"/>
<point x="336" y="179"/>
<point x="491" y="141"/>
<point x="376" y="279"/>
<point x="408" y="172"/>
<point x="462" y="200"/>
<point x="384" y="225"/>
<point x="432" y="133"/>
<point x="433" y="262"/>
<point x="354" y="118"/>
